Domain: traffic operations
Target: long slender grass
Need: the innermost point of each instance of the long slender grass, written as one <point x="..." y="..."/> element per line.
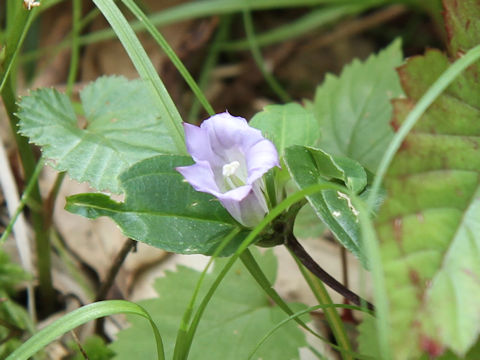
<point x="145" y="69"/>
<point x="171" y="54"/>
<point x="257" y="55"/>
<point x="81" y="316"/>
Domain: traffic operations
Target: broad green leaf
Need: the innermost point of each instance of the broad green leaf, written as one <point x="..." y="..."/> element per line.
<point x="354" y="109"/>
<point x="162" y="210"/>
<point x="429" y="226"/>
<point x="309" y="166"/>
<point x="123" y="126"/>
<point x="287" y="125"/>
<point x="238" y="316"/>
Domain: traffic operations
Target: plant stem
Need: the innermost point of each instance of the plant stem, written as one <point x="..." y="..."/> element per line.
<point x="128" y="245"/>
<point x="209" y="64"/>
<point x="257" y="56"/>
<point x="41" y="232"/>
<point x="171" y="54"/>
<point x="323" y="298"/>
<point x="75" y="55"/>
<point x="295" y="247"/>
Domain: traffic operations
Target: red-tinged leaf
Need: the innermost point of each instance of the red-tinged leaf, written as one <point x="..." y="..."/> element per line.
<point x="429" y="226"/>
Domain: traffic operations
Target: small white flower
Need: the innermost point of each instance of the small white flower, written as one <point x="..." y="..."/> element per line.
<point x="29" y="4"/>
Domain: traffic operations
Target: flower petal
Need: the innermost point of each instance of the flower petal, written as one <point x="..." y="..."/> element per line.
<point x="200" y="176"/>
<point x="223" y="140"/>
<point x="247" y="212"/>
<point x="226" y="131"/>
<point x="260" y="157"/>
<point x="237" y="194"/>
<point x="198" y="144"/>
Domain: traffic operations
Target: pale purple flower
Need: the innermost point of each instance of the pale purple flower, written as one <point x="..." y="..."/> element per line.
<point x="230" y="159"/>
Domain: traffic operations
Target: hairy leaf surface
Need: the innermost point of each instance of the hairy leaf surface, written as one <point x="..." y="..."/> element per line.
<point x="122" y="126"/>
<point x="354" y="109"/>
<point x="429" y="226"/>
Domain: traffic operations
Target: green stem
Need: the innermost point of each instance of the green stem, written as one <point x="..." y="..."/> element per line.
<point x="311" y="21"/>
<point x="145" y="69"/>
<point x="38" y="219"/>
<point x="171" y="54"/>
<point x="257" y="56"/>
<point x="305" y="311"/>
<point x="185" y="335"/>
<point x="18" y="24"/>
<point x="74" y="57"/>
<point x="252" y="236"/>
<point x="322" y="296"/>
<point x="254" y="269"/>
<point x="209" y="64"/>
<point x="188" y="338"/>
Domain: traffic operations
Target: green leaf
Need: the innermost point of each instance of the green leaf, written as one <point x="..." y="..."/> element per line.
<point x="234" y="321"/>
<point x="309" y="166"/>
<point x="162" y="210"/>
<point x="429" y="225"/>
<point x="347" y="170"/>
<point x="354" y="109"/>
<point x="123" y="126"/>
<point x="287" y="125"/>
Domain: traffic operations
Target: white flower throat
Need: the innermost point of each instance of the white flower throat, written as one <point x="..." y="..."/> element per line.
<point x="230" y="169"/>
<point x="229" y="172"/>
